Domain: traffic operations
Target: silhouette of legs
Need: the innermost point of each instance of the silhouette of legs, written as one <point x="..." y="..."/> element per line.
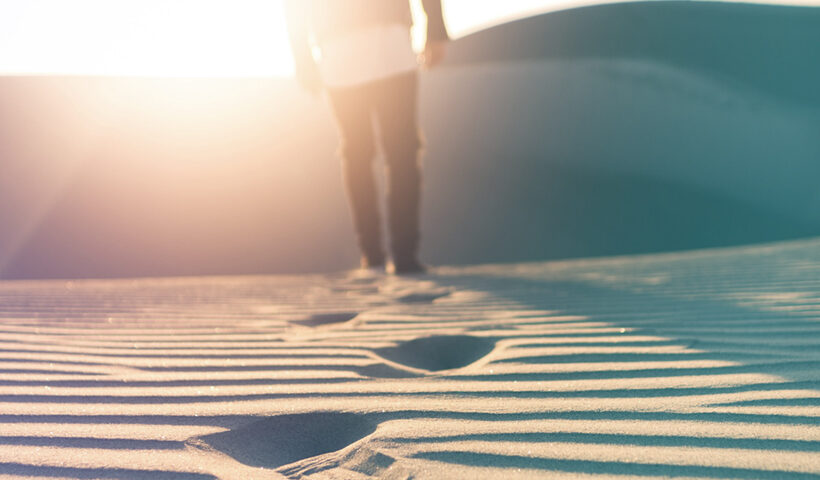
<point x="396" y="111"/>
<point x="357" y="150"/>
<point x="393" y="102"/>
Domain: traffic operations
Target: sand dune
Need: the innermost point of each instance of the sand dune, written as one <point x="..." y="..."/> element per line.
<point x="665" y="125"/>
<point x="695" y="365"/>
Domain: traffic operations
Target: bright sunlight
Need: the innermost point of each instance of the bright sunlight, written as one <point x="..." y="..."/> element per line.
<point x="177" y="38"/>
<point x="144" y="37"/>
<point x="192" y="38"/>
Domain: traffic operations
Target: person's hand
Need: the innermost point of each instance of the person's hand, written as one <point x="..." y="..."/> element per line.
<point x="309" y="78"/>
<point x="433" y="54"/>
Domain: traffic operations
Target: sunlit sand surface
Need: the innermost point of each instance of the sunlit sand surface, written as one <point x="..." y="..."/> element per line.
<point x="697" y="365"/>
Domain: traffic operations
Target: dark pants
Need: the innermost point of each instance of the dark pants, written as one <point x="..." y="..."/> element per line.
<point x="392" y="104"/>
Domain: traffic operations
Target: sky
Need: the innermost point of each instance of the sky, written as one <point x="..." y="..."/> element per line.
<point x="233" y="38"/>
<point x="191" y="38"/>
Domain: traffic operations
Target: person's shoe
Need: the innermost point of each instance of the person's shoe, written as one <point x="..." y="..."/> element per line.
<point x="369" y="268"/>
<point x="406" y="266"/>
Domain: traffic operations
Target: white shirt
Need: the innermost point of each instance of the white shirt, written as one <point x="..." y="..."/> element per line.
<point x="367" y="55"/>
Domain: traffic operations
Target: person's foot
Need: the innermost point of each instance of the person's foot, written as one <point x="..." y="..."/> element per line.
<point x="372" y="262"/>
<point x="369" y="267"/>
<point x="406" y="266"/>
<point x="366" y="275"/>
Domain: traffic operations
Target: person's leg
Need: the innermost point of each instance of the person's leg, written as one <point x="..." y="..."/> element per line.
<point x="396" y="110"/>
<point x="353" y="111"/>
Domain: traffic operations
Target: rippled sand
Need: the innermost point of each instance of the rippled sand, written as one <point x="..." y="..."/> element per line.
<point x="697" y="365"/>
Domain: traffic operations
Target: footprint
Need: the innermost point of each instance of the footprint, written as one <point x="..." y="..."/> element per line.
<point x="362" y="280"/>
<point x="326" y="319"/>
<point x="422" y="297"/>
<point x="285" y="439"/>
<point x="444" y="352"/>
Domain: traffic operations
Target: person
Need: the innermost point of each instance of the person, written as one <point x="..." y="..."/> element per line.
<point x="367" y="66"/>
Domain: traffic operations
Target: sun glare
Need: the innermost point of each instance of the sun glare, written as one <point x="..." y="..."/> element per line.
<point x="174" y="38"/>
<point x="212" y="38"/>
<point x="191" y="38"/>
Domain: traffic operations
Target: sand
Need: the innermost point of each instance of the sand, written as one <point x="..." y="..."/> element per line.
<point x="696" y="365"/>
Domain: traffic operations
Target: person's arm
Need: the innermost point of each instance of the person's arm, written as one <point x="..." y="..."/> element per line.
<point x="306" y="70"/>
<point x="437" y="37"/>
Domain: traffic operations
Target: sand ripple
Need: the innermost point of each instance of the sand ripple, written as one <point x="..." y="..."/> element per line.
<point x="698" y="365"/>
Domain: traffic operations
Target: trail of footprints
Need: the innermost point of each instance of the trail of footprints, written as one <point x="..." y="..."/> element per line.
<point x="290" y="439"/>
<point x="431" y="353"/>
